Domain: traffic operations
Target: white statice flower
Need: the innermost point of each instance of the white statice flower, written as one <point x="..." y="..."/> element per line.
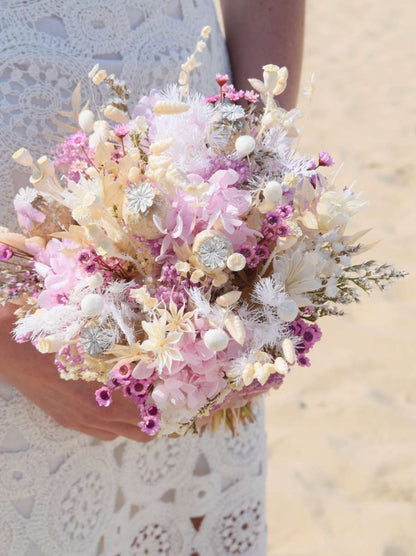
<point x="141" y="197"/>
<point x="335" y="208"/>
<point x="26" y="195"/>
<point x="331" y="289"/>
<point x="162" y="343"/>
<point x="299" y="273"/>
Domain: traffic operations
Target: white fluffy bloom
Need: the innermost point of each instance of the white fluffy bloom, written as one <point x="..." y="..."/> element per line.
<point x="335" y="208"/>
<point x="189" y="150"/>
<point x="299" y="273"/>
<point x="268" y="291"/>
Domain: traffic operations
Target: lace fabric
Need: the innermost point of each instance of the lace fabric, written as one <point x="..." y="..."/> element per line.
<point x="62" y="492"/>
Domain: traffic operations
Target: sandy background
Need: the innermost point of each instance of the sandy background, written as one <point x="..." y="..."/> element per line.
<point x="342" y="433"/>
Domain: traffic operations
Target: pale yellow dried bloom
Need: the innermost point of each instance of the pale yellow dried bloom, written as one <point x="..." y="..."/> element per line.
<point x="235" y="327"/>
<point x="206" y="31"/>
<point x="23" y="157"/>
<point x="291" y="179"/>
<point x="200" y="45"/>
<point x="289" y="351"/>
<point x="99" y="77"/>
<point x="115" y="114"/>
<point x="236" y="262"/>
<point x="160" y="146"/>
<point x="228" y="298"/>
<point x="163" y="107"/>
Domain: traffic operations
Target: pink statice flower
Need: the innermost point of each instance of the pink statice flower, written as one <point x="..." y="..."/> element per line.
<point x="325" y="159"/>
<point x="6" y="252"/>
<point x="73" y="156"/>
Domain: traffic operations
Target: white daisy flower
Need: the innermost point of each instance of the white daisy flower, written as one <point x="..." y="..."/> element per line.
<point x="26" y="195"/>
<point x="141" y="197"/>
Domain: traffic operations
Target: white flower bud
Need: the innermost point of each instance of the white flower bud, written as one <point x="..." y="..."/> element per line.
<point x="288" y="310"/>
<point x="236" y="262"/>
<point x="245" y="145"/>
<point x="216" y="339"/>
<point x="46" y="165"/>
<point x="92" y="304"/>
<point x="23" y="157"/>
<point x="134" y="174"/>
<point x="99" y="77"/>
<point x="270" y="77"/>
<point x="248" y="374"/>
<point x="86" y="120"/>
<point x="115" y="114"/>
<point x="50" y="344"/>
<point x="273" y="192"/>
<point x="289" y="351"/>
<point x="263" y="372"/>
<point x="281" y="366"/>
<point x="95" y="280"/>
<point x="206" y="31"/>
<point x="105" y="247"/>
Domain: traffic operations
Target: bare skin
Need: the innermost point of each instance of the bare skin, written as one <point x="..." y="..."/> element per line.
<point x="71" y="403"/>
<point x="257" y="32"/>
<point x="260" y="32"/>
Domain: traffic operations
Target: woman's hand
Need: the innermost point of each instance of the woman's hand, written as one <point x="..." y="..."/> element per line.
<point x="71" y="403"/>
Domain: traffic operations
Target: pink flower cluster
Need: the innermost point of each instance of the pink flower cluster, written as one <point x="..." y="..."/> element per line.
<point x="308" y="335"/>
<point x="73" y="156"/>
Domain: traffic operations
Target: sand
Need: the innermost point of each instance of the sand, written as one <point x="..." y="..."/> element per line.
<point x="342" y="433"/>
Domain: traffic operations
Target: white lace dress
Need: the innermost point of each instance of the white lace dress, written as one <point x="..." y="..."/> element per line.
<point x="63" y="493"/>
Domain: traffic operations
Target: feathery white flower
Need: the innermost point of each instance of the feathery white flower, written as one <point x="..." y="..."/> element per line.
<point x="298" y="271"/>
<point x="162" y="343"/>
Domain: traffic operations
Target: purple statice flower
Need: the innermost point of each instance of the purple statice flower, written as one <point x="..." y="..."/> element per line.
<point x="178" y="295"/>
<point x="6" y="252"/>
<point x="273" y="225"/>
<point x="103" y="396"/>
<point x="121" y="130"/>
<point x="285" y="211"/>
<point x="325" y="159"/>
<point x="122" y="373"/>
<point x="250" y="254"/>
<point x="262" y="251"/>
<point x="169" y="275"/>
<point x="150" y="423"/>
<point x="251" y="97"/>
<point x="225" y="163"/>
<point x="304" y="361"/>
<point x="213" y="99"/>
<point x="232" y="94"/>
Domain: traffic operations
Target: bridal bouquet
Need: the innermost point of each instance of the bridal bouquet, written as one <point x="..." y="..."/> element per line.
<point x="184" y="252"/>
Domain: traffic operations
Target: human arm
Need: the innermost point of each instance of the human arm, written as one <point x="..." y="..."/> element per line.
<point x="260" y="32"/>
<point x="71" y="403"/>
